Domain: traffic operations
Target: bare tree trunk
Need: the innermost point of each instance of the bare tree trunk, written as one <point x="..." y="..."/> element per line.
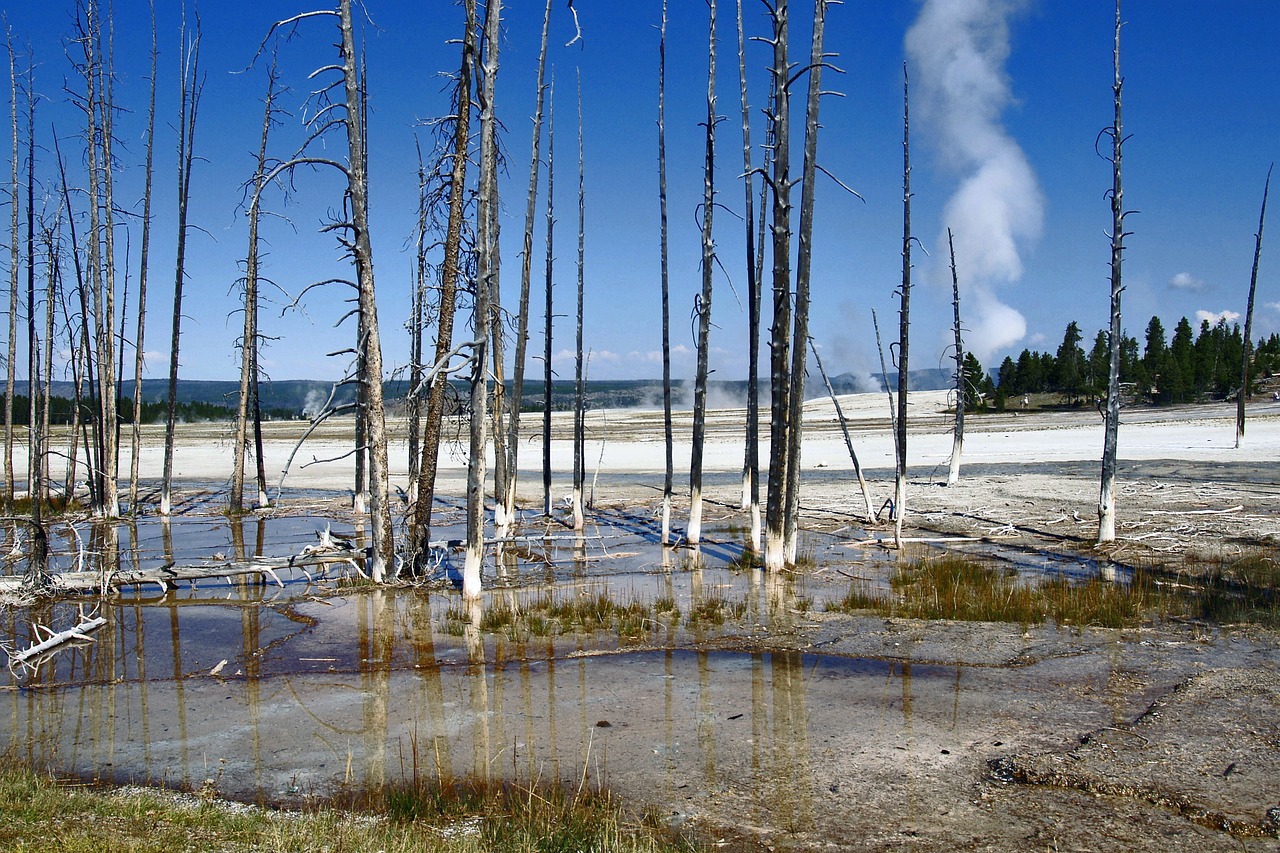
<point x="694" y="533"/>
<point x="844" y="428"/>
<point x="35" y="436"/>
<point x="962" y="390"/>
<point x="109" y="396"/>
<point x="51" y="288"/>
<point x="471" y="583"/>
<point x="1106" y="494"/>
<point x="751" y="463"/>
<point x="904" y="319"/>
<point x="370" y="345"/>
<point x="780" y="334"/>
<point x="668" y="488"/>
<point x="501" y="460"/>
<point x="417" y="316"/>
<point x="1248" y="316"/>
<point x="81" y="360"/>
<point x="579" y="376"/>
<point x="14" y="261"/>
<point x="546" y="351"/>
<point x="191" y="87"/>
<point x="249" y="343"/>
<point x="508" y="497"/>
<point x="803" y="264"/>
<point x="420" y="531"/>
<point x="135" y="444"/>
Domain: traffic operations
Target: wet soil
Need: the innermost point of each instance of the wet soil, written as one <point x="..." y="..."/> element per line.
<point x="783" y="726"/>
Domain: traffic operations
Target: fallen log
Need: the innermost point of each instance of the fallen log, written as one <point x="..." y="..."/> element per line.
<point x="31" y="657"/>
<point x="266" y="568"/>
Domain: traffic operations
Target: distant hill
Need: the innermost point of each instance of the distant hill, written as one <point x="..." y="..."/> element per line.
<point x="306" y="396"/>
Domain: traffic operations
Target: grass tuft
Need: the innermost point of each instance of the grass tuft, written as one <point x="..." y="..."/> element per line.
<point x="959" y="588"/>
<point x="39" y="814"/>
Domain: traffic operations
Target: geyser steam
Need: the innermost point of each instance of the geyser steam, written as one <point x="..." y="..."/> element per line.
<point x="958" y="49"/>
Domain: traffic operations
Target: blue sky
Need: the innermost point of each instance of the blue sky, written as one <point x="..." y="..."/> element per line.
<point x="1008" y="99"/>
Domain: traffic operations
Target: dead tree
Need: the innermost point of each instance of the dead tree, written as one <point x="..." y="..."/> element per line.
<point x="420" y="530"/>
<point x="1106" y="494"/>
<point x="844" y="429"/>
<point x="804" y="255"/>
<point x="135" y="444"/>
<point x="579" y="373"/>
<point x="486" y="272"/>
<point x="189" y="108"/>
<point x="247" y="407"/>
<point x="779" y="117"/>
<point x="962" y="390"/>
<point x="549" y="316"/>
<point x="340" y="109"/>
<point x="490" y="263"/>
<point x="105" y="306"/>
<point x="904" y="319"/>
<point x="751" y="462"/>
<point x="508" y="497"/>
<point x="668" y="488"/>
<point x="702" y="306"/>
<point x="1248" y="315"/>
<point x="14" y="263"/>
<point x="35" y="436"/>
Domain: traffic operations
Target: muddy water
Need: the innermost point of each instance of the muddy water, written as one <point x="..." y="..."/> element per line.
<point x="781" y="720"/>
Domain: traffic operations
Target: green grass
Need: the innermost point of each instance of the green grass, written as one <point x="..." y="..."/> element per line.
<point x="38" y="814"/>
<point x="954" y="587"/>
<point x="631" y="620"/>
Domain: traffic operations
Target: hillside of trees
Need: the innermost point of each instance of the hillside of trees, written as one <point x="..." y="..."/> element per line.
<point x="1192" y="366"/>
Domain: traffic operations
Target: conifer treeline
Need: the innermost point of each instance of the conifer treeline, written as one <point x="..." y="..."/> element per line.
<point x="1190" y="367"/>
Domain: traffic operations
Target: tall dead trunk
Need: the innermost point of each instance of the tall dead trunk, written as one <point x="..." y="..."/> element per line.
<point x="189" y="104"/>
<point x="579" y="372"/>
<point x="780" y="333"/>
<point x="904" y="319"/>
<point x="14" y="261"/>
<point x="35" y="437"/>
<point x="135" y="443"/>
<point x="492" y="249"/>
<point x="417" y="316"/>
<point x="547" y="372"/>
<point x="370" y="346"/>
<point x="420" y="531"/>
<point x="694" y="532"/>
<point x="668" y="487"/>
<point x="962" y="390"/>
<point x="249" y="343"/>
<point x="804" y="257"/>
<point x="106" y="332"/>
<point x="1248" y="315"/>
<point x="1106" y="494"/>
<point x="508" y="497"/>
<point x="486" y="271"/>
<point x="751" y="462"/>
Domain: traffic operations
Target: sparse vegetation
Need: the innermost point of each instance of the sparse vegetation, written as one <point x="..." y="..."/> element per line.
<point x="39" y="813"/>
<point x="956" y="587"/>
<point x="549" y="614"/>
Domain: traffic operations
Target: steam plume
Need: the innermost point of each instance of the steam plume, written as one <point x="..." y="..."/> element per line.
<point x="958" y="49"/>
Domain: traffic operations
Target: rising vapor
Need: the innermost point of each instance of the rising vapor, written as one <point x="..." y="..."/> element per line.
<point x="957" y="50"/>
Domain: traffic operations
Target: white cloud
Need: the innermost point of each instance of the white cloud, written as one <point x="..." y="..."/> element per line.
<point x="1273" y="306"/>
<point x="1186" y="281"/>
<point x="1229" y="316"/>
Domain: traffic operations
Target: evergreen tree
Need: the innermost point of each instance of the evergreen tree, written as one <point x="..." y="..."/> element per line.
<point x="1182" y="354"/>
<point x="1069" y="364"/>
<point x="1098" y="364"/>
